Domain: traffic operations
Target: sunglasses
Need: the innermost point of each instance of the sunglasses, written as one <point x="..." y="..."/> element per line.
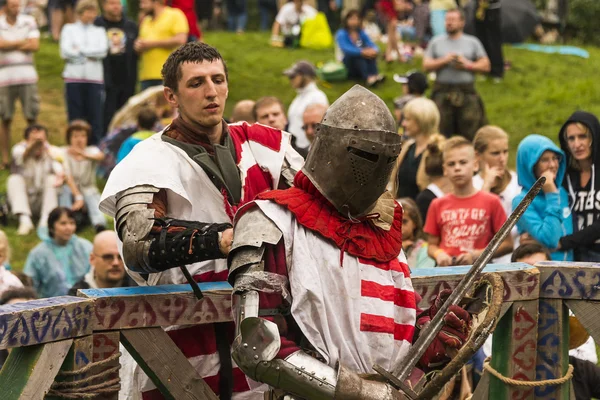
<point x="108" y="258"/>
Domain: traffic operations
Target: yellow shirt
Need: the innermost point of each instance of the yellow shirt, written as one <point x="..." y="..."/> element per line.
<point x="168" y="24"/>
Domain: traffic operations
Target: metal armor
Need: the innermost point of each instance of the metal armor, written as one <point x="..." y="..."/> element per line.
<point x="354" y="152"/>
<point x="257" y="340"/>
<point x="155" y="244"/>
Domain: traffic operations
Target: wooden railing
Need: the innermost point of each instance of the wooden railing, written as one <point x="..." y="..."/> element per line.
<point x="68" y="333"/>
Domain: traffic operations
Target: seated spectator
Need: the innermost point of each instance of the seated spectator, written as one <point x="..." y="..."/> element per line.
<point x="579" y="138"/>
<point x="288" y="22"/>
<point x="61" y="259"/>
<point x="242" y="111"/>
<point x="460" y="225"/>
<point x="421" y="123"/>
<point x="270" y="111"/>
<point x="107" y="268"/>
<point x="31" y="187"/>
<point x="360" y="53"/>
<point x="491" y="148"/>
<point x="312" y="116"/>
<point x="147" y="120"/>
<point x="530" y="253"/>
<point x="434" y="169"/>
<point x="80" y="161"/>
<point x="302" y="77"/>
<point x="415" y="248"/>
<point x="7" y="279"/>
<point x="548" y="218"/>
<point x="83" y="46"/>
<point x="414" y="85"/>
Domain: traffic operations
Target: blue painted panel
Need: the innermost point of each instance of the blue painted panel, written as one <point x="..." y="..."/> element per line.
<point x="159" y="289"/>
<point x="463" y="270"/>
<point x="34" y="304"/>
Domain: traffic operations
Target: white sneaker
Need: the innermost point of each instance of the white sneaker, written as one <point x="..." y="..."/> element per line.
<point x="25" y="228"/>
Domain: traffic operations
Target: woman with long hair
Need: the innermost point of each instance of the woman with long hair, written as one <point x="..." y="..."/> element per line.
<point x="61" y="259"/>
<point x="491" y="148"/>
<point x="580" y="140"/>
<point x="421" y="126"/>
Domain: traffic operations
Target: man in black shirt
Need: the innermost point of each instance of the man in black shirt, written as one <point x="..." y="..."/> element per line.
<point x="120" y="64"/>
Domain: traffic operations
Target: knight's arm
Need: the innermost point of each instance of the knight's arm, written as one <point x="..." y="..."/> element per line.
<point x="153" y="242"/>
<point x="263" y="347"/>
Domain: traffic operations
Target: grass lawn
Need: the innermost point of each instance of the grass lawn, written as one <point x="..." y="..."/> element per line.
<point x="538" y="94"/>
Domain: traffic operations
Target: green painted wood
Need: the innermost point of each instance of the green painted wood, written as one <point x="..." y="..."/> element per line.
<point x="165" y="364"/>
<point x="29" y="371"/>
<point x="500" y="356"/>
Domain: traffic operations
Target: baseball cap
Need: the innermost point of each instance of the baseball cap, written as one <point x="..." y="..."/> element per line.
<point x="301" y="68"/>
<point x="416" y="81"/>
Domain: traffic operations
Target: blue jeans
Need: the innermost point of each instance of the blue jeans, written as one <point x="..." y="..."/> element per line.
<point x="149" y="83"/>
<point x="86" y="101"/>
<point x="237" y="16"/>
<point x="437" y="19"/>
<point x="267" y="10"/>
<point x="359" y="67"/>
<point x="91" y="200"/>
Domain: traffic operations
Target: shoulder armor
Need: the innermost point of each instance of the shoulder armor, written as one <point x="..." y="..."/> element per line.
<point x="251" y="232"/>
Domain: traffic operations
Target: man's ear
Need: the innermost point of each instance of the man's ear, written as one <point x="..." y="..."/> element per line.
<point x="170" y="96"/>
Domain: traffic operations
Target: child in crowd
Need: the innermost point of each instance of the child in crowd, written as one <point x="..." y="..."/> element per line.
<point x="415" y="248"/>
<point x="460" y="225"/>
<point x="146" y="121"/>
<point x="80" y="162"/>
<point x="548" y="218"/>
<point x="7" y="279"/>
<point x="491" y="148"/>
<point x="434" y="169"/>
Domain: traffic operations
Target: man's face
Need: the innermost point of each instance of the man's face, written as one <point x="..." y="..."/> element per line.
<point x="37" y="135"/>
<point x="107" y="262"/>
<point x="147" y="5"/>
<point x="13" y="7"/>
<point x="298" y="81"/>
<point x="310" y="120"/>
<point x="201" y="93"/>
<point x="533" y="259"/>
<point x="454" y="22"/>
<point x="113" y="8"/>
<point x="272" y="115"/>
<point x="459" y="165"/>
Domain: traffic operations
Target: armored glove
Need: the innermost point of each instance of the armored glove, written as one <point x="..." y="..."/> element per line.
<point x="454" y="333"/>
<point x="351" y="386"/>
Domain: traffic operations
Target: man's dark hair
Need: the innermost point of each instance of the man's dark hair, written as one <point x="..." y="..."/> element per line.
<point x="147" y="118"/>
<point x="34" y="127"/>
<point x="526" y="250"/>
<point x="18" y="293"/>
<point x="55" y="216"/>
<point x="265" y="102"/>
<point x="194" y="52"/>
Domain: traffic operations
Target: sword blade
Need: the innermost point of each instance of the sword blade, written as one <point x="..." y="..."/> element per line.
<point x="403" y="369"/>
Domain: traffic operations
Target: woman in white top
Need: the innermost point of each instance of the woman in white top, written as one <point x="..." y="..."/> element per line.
<point x="83" y="46"/>
<point x="491" y="147"/>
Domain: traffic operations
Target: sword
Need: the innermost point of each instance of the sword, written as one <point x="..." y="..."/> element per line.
<point x="398" y="375"/>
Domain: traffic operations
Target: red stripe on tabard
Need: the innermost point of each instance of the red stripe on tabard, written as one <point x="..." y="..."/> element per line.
<point x="265" y="136"/>
<point x="393" y="265"/>
<point x="257" y="181"/>
<point x="198" y="340"/>
<point x="212" y="276"/>
<point x="238" y="136"/>
<point x="401" y="298"/>
<point x="379" y="324"/>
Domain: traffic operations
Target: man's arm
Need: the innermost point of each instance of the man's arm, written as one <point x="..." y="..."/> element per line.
<point x="174" y="41"/>
<point x="32" y="44"/>
<point x="7" y="45"/>
<point x="152" y="242"/>
<point x="482" y="65"/>
<point x="442" y="259"/>
<point x="431" y="64"/>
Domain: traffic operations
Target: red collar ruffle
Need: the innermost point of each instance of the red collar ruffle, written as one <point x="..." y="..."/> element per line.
<point x="314" y="212"/>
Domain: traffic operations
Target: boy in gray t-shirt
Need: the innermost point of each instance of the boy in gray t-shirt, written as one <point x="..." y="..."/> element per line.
<point x="466" y="46"/>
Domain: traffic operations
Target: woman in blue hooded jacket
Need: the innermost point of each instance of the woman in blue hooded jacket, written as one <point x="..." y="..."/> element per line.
<point x="548" y="218"/>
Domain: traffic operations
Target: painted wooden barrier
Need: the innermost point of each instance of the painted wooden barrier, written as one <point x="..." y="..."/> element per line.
<point x="529" y="343"/>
